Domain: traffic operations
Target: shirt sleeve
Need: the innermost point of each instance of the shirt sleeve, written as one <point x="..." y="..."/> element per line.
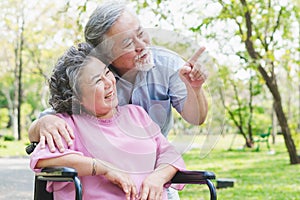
<point x="45" y="153"/>
<point x="167" y="154"/>
<point x="177" y="88"/>
<point x="48" y="111"/>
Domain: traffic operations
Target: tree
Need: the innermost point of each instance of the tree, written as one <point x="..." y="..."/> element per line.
<point x="32" y="37"/>
<point x="15" y="24"/>
<point x="237" y="100"/>
<point x="260" y="25"/>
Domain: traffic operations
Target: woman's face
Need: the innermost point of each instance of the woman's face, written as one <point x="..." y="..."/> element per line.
<point x="98" y="89"/>
<point x="129" y="43"/>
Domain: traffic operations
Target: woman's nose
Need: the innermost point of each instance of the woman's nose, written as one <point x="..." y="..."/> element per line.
<point x="107" y="82"/>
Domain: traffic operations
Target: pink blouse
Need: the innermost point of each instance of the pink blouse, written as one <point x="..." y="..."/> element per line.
<point x="130" y="140"/>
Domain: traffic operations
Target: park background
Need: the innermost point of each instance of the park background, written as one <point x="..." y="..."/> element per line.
<point x="253" y="89"/>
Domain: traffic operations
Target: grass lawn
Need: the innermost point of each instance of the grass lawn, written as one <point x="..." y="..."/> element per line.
<point x="13" y="148"/>
<point x="258" y="175"/>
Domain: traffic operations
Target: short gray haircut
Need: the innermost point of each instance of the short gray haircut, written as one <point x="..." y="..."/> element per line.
<point x="99" y="23"/>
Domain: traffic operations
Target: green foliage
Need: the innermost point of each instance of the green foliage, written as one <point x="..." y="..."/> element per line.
<point x="13" y="147"/>
<point x="8" y="138"/>
<point x="4" y="119"/>
<point x="3" y="100"/>
<point x="48" y="31"/>
<point x="295" y="131"/>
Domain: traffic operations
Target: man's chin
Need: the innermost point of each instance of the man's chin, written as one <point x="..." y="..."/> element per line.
<point x="145" y="67"/>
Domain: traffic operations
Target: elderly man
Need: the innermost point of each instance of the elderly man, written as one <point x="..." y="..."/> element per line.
<point x="152" y="77"/>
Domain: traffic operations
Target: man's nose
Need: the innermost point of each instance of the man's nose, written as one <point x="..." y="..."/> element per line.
<point x="140" y="44"/>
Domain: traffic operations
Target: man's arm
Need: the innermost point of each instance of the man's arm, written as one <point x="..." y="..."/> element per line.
<point x="193" y="75"/>
<point x="51" y="129"/>
<point x="195" y="107"/>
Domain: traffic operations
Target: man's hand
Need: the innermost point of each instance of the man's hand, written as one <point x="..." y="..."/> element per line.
<point x="193" y="73"/>
<point x="52" y="130"/>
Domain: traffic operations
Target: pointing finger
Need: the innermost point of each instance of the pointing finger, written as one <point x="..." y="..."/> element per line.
<point x="197" y="54"/>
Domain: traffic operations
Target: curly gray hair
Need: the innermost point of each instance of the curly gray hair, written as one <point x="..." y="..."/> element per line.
<point x="65" y="94"/>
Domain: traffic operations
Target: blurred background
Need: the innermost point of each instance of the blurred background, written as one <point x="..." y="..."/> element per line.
<point x="253" y="57"/>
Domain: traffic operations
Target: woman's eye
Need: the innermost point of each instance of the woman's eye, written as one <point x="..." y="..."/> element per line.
<point x="107" y="72"/>
<point x="141" y="34"/>
<point x="98" y="80"/>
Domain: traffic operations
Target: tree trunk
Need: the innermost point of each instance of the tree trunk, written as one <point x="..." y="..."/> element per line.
<point x="20" y="73"/>
<point x="272" y="85"/>
<point x="274" y="125"/>
<point x="289" y="142"/>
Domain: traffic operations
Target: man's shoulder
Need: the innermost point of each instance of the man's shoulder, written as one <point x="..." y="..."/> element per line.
<point x="165" y="57"/>
<point x="161" y="52"/>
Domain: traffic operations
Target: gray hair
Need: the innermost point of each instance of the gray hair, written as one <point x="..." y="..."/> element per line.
<point x="65" y="94"/>
<point x="99" y="23"/>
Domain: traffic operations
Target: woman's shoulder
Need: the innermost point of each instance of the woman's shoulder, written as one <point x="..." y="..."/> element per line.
<point x="136" y="109"/>
<point x="138" y="115"/>
<point x="134" y="112"/>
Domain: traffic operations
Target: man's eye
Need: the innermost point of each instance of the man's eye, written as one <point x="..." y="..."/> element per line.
<point x="128" y="44"/>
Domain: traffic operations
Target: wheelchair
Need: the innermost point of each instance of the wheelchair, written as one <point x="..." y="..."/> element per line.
<point x="65" y="174"/>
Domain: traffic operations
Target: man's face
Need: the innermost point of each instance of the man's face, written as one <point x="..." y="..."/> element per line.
<point x="130" y="43"/>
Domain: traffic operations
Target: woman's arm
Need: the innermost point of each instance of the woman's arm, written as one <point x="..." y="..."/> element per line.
<point x="82" y="164"/>
<point x="87" y="166"/>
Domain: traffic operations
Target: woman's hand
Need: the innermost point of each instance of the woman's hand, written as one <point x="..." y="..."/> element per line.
<point x="153" y="185"/>
<point x="123" y="181"/>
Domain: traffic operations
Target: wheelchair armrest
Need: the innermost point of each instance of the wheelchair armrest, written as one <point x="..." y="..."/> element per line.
<point x="196" y="177"/>
<point x="57" y="174"/>
<point x="191" y="177"/>
<point x="61" y="174"/>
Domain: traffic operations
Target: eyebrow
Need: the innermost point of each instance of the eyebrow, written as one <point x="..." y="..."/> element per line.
<point x="139" y="28"/>
<point x="97" y="75"/>
<point x="135" y="31"/>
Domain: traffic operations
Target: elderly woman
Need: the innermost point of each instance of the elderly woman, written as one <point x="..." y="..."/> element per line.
<point x="118" y="151"/>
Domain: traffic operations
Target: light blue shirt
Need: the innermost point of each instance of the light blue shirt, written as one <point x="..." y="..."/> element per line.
<point x="156" y="90"/>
